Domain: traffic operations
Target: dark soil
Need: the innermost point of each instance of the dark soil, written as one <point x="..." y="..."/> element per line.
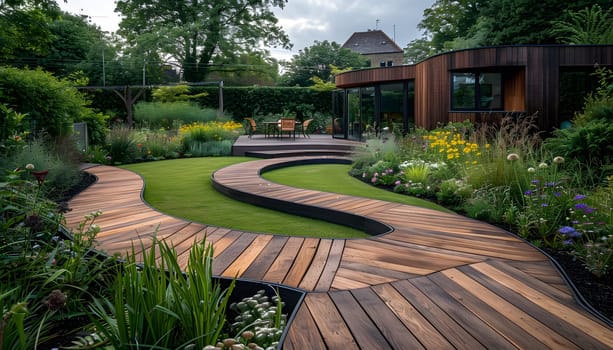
<point x="597" y="292"/>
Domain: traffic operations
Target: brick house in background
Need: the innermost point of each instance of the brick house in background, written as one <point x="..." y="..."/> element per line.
<point x="377" y="47"/>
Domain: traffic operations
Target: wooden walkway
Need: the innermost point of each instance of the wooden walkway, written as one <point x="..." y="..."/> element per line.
<point x="437" y="281"/>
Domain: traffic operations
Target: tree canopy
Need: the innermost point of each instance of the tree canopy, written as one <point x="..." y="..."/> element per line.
<point x="458" y="24"/>
<point x="315" y="61"/>
<point x="195" y="33"/>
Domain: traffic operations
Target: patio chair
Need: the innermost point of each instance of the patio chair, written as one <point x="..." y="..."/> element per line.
<point x="288" y="126"/>
<point x="305" y="127"/>
<point x="251" y="127"/>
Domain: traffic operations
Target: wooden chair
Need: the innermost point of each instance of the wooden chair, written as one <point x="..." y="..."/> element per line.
<point x="251" y="127"/>
<point x="288" y="126"/>
<point x="305" y="127"/>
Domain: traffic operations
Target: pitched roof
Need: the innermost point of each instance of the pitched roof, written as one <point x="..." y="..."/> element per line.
<point x="371" y="42"/>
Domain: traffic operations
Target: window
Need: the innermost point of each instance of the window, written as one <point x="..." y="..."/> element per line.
<point x="477" y="91"/>
<point x="382" y="64"/>
<point x="390" y="63"/>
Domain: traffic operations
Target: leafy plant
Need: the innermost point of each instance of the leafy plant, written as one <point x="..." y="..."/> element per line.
<point x="156" y="305"/>
<point x="168" y="115"/>
<point x="122" y="145"/>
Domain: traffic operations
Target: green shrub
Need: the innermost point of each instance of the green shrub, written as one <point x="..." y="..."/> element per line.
<point x="122" y="145"/>
<point x="62" y="173"/>
<point x="50" y="105"/>
<point x="169" y="115"/>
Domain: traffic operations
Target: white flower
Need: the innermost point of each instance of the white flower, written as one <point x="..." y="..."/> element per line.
<point x="30" y="166"/>
<point x="558" y="160"/>
<point x="531" y="170"/>
<point x="513" y="156"/>
<point x="543" y="165"/>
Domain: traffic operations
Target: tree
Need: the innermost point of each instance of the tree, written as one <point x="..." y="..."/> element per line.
<point x="586" y="26"/>
<point x="315" y="61"/>
<point x="196" y="32"/>
<point x="528" y="22"/>
<point x="246" y="69"/>
<point x="447" y="20"/>
<point x="24" y="29"/>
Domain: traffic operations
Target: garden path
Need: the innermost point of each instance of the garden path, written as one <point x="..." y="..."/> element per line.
<point x="435" y="280"/>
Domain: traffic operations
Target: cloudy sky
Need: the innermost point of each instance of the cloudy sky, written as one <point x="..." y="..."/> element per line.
<point x="306" y="20"/>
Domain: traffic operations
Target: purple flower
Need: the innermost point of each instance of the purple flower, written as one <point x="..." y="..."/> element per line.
<point x="589" y="210"/>
<point x="528" y="193"/>
<point x="579" y="197"/>
<point x="373" y="180"/>
<point x="534" y="182"/>
<point x="568" y="242"/>
<point x="544" y="205"/>
<point x="376" y="174"/>
<point x="566" y="229"/>
<point x="569" y="231"/>
<point x="557" y="194"/>
<point x="397" y="182"/>
<point x="550" y="184"/>
<point x="581" y="206"/>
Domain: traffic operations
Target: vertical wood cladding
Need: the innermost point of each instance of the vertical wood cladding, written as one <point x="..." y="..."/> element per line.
<point x="531" y="79"/>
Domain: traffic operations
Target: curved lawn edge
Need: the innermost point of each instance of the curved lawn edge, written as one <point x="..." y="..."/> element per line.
<point x="358" y="222"/>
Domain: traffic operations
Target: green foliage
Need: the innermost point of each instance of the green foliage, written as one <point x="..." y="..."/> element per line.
<point x="45" y="274"/>
<point x="241" y="102"/>
<point x="246" y="69"/>
<point x="590" y="25"/>
<point x="156" y="304"/>
<point x="588" y="141"/>
<point x="62" y="174"/>
<point x="317" y="61"/>
<point x="24" y="31"/>
<point x="197" y="33"/>
<point x="10" y="124"/>
<point x="50" y="105"/>
<point x="170" y="115"/>
<point x="122" y="145"/>
<point x="174" y="94"/>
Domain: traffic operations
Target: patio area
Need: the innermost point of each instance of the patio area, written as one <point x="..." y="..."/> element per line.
<point x="434" y="281"/>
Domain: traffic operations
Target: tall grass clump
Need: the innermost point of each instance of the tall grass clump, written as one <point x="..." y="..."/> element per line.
<point x="156" y="305"/>
<point x="122" y="145"/>
<point x="168" y="115"/>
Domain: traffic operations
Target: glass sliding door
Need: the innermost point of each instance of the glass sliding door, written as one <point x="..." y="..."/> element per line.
<point x="368" y="121"/>
<point x="353" y="113"/>
<point x="337" y="126"/>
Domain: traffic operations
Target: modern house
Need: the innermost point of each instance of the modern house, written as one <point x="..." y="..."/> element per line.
<point x="377" y="47"/>
<point x="480" y="85"/>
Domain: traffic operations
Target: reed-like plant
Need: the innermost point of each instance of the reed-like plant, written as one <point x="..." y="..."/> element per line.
<point x="156" y="305"/>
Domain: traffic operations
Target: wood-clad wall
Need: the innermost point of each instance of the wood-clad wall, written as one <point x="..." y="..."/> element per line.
<point x="531" y="77"/>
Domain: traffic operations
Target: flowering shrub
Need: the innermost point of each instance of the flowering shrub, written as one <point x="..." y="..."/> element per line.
<point x="197" y="133"/>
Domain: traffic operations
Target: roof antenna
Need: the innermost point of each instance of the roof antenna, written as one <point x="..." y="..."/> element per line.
<point x="377" y="24"/>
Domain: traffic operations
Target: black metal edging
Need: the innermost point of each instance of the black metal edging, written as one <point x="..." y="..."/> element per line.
<point x="576" y="293"/>
<point x="358" y="222"/>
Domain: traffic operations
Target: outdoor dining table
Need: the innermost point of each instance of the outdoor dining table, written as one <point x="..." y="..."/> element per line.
<point x="269" y="127"/>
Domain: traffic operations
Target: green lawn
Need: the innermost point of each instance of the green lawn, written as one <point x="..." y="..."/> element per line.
<point x="182" y="188"/>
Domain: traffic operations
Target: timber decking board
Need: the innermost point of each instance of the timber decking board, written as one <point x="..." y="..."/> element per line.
<point x="437" y="280"/>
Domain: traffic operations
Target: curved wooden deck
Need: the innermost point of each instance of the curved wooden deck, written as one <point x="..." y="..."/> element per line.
<point x="437" y="281"/>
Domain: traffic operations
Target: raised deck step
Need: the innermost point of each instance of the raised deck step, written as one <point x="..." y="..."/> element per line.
<point x="297" y="152"/>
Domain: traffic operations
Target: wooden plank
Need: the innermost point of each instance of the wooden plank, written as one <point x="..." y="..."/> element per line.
<point x="301" y="262"/>
<point x="474" y="325"/>
<point x="505" y="310"/>
<point x="243" y="261"/>
<point x="413" y="320"/>
<point x="443" y="322"/>
<point x="230" y="254"/>
<point x="582" y="328"/>
<point x="311" y="277"/>
<point x="332" y="263"/>
<point x="262" y="263"/>
<point x="479" y="306"/>
<point x="395" y="332"/>
<point x="303" y="333"/>
<point x="366" y="334"/>
<point x="280" y="267"/>
<point x="331" y="325"/>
